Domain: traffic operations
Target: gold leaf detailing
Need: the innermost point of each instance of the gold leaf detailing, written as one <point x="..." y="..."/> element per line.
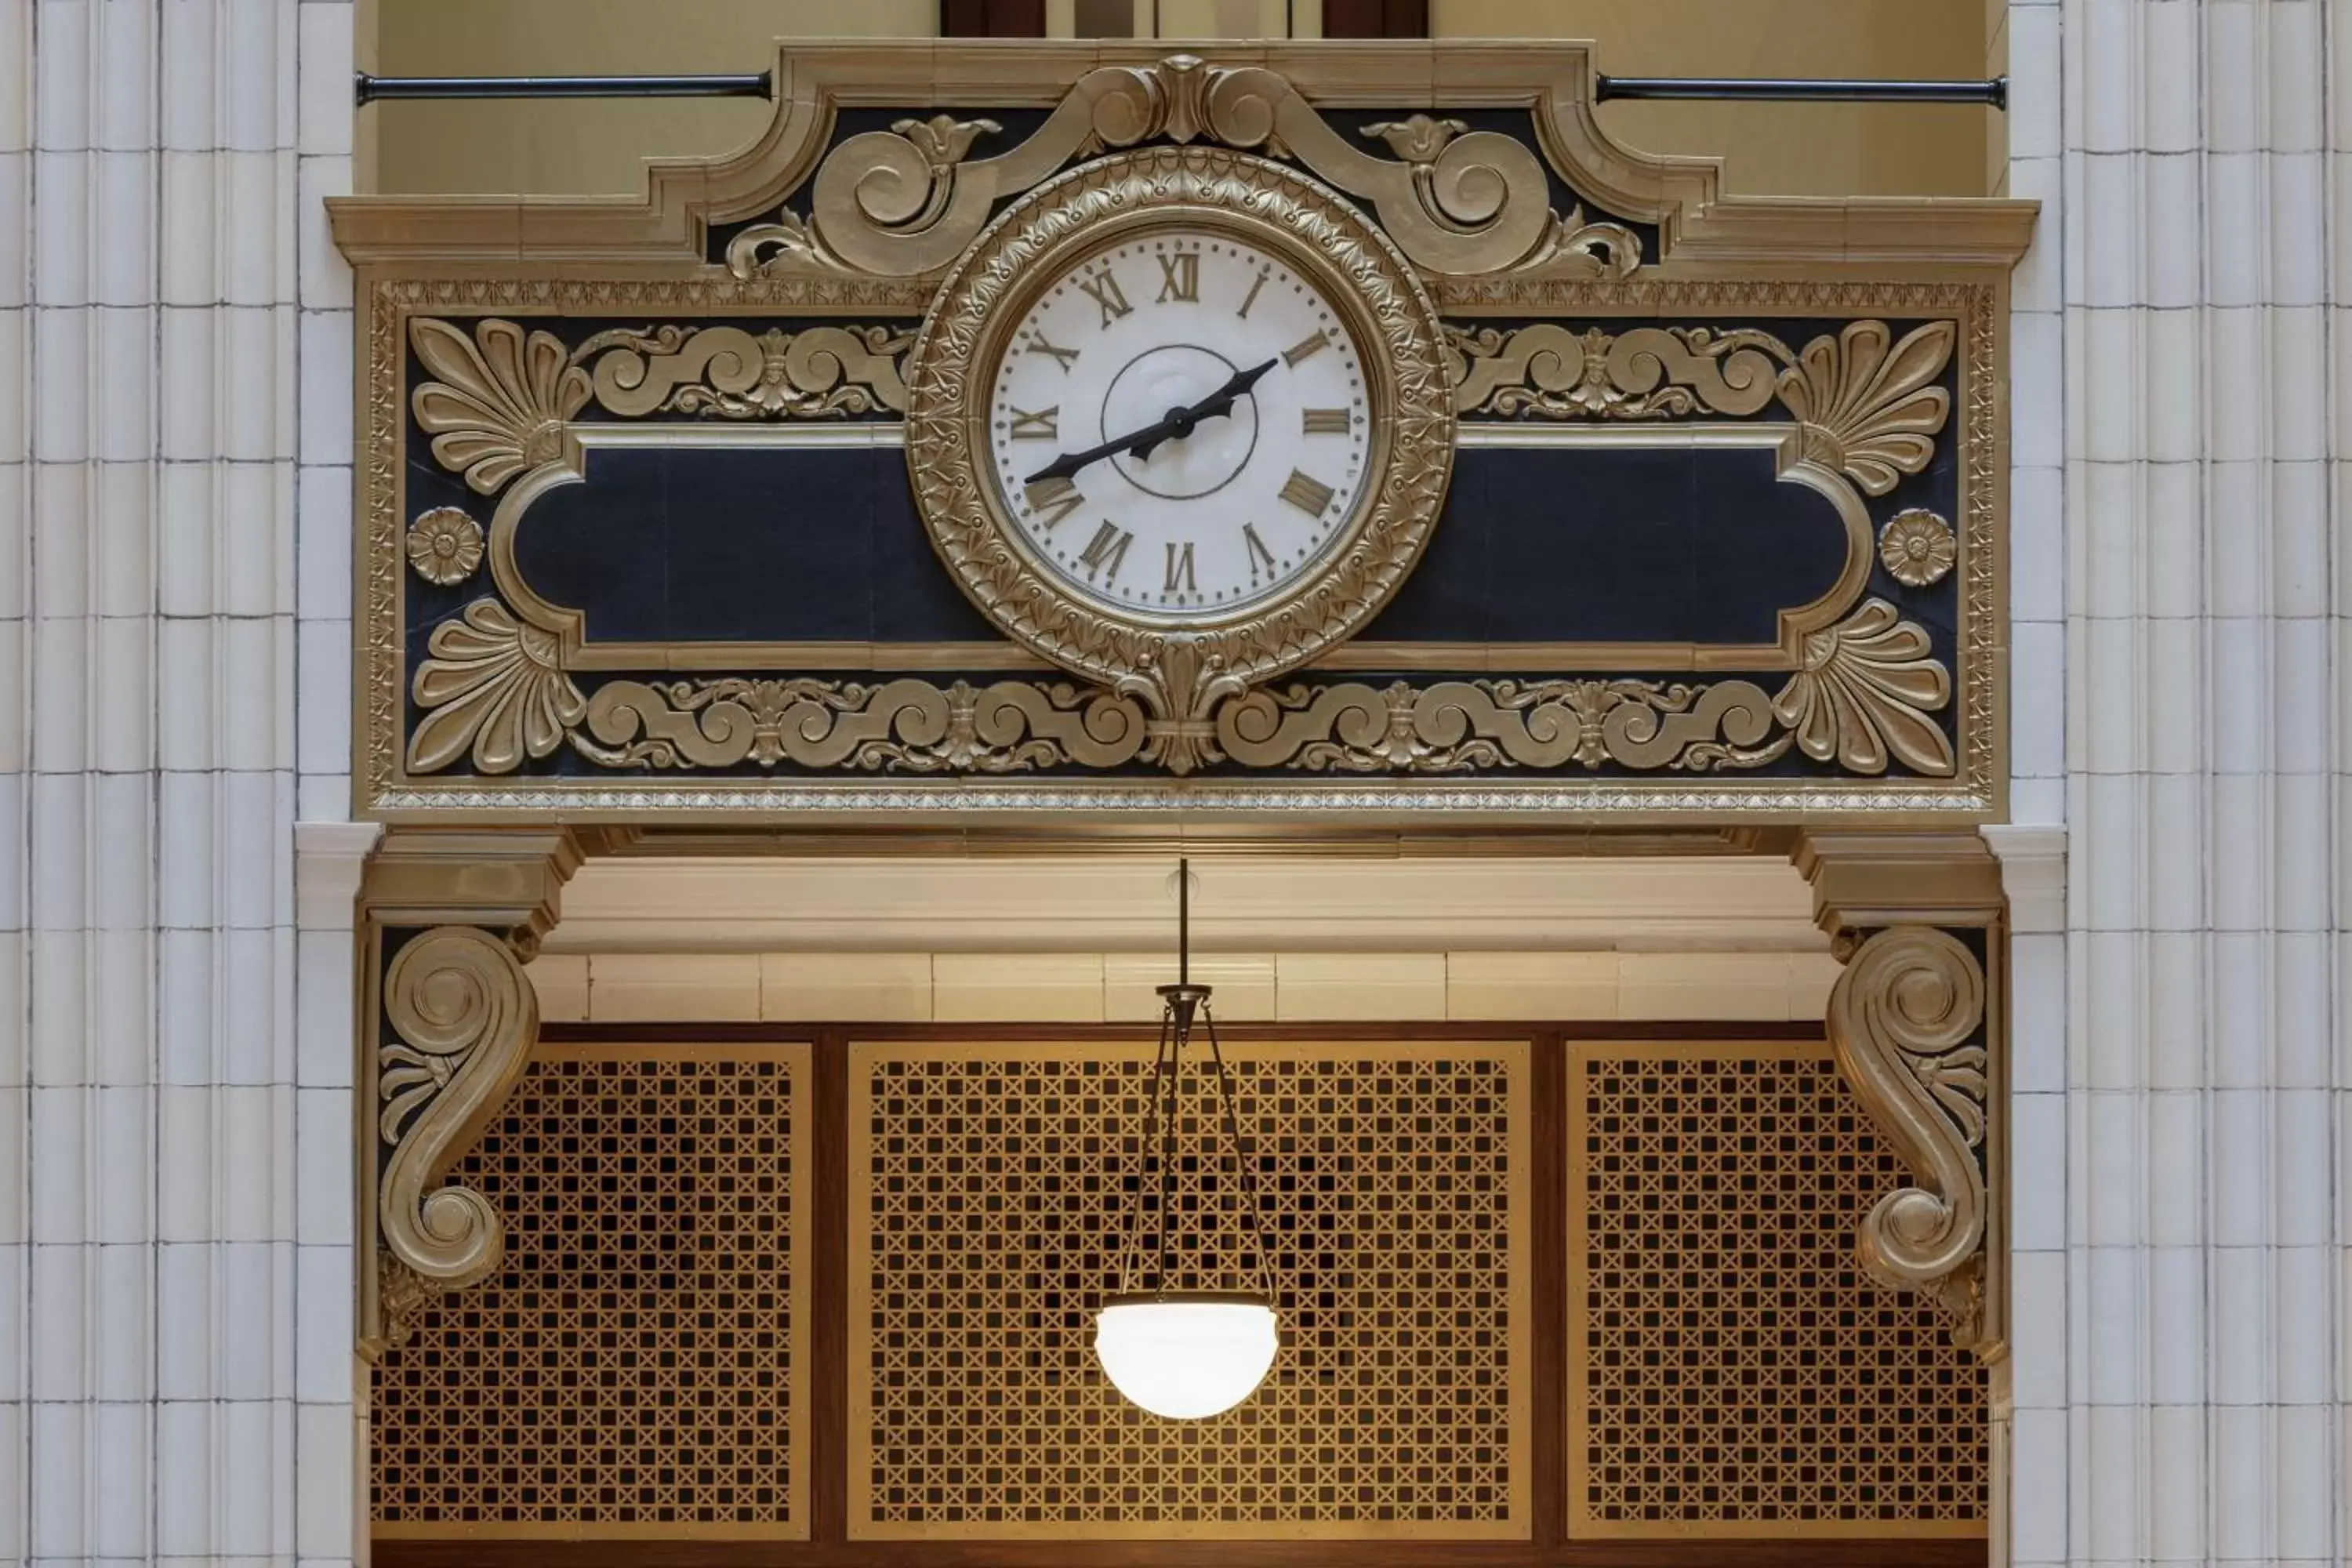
<point x="1918" y="547"/>
<point x="492" y="688"/>
<point x="1649" y="373"/>
<point x="444" y="546"/>
<point x="1864" y="693"/>
<point x="1458" y="726"/>
<point x="1417" y="139"/>
<point x="729" y="374"/>
<point x="897" y="726"/>
<point x="909" y="201"/>
<point x="943" y="139"/>
<point x="1573" y="248"/>
<point x="1901" y="1020"/>
<point x="1179" y="676"/>
<point x="402" y="1297"/>
<point x="499" y="409"/>
<point x="787" y="244"/>
<point x="462" y="1020"/>
<point x="1872" y="411"/>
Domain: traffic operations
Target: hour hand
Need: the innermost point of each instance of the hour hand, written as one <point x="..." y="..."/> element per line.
<point x="1069" y="463"/>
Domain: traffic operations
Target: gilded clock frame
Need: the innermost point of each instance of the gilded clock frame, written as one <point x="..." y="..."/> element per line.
<point x="1181" y="671"/>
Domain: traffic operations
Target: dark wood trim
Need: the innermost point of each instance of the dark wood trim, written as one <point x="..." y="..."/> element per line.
<point x="743" y="1034"/>
<point x="828" y="1375"/>
<point x="1700" y="1553"/>
<point x="1547" y="1282"/>
<point x="992" y="18"/>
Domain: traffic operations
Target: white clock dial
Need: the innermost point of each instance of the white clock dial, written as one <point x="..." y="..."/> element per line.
<point x="1127" y="474"/>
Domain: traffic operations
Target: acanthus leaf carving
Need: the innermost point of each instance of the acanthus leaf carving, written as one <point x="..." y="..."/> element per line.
<point x="1458" y="726"/>
<point x="1865" y="692"/>
<point x="461" y="1019"/>
<point x="907" y="725"/>
<point x="731" y="374"/>
<point x="492" y="687"/>
<point x="501" y="401"/>
<point x="908" y="201"/>
<point x="1647" y="372"/>
<point x="1904" y="1020"/>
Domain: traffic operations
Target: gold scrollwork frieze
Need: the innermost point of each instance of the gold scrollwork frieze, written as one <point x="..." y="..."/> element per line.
<point x="1865" y="405"/>
<point x="729" y="374"/>
<point x="908" y="201"/>
<point x="903" y="726"/>
<point x="1864" y="696"/>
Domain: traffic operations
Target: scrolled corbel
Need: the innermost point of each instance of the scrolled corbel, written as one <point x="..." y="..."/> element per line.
<point x="460" y="1019"/>
<point x="1905" y="1022"/>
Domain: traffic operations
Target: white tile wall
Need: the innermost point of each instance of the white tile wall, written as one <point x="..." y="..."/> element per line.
<point x="2177" y="1096"/>
<point x="175" y="1065"/>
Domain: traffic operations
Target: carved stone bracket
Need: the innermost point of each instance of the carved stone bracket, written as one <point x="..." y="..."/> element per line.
<point x="1916" y="1024"/>
<point x="447" y="1027"/>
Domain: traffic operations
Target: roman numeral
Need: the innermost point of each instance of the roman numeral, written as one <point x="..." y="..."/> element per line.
<point x="1054" y="499"/>
<point x="1063" y="357"/>
<point x="1106" y="550"/>
<point x="1180" y="568"/>
<point x="1180" y="278"/>
<point x="1308" y="494"/>
<point x="1259" y="554"/>
<point x="1042" y="425"/>
<point x="1306" y="348"/>
<point x="1251" y="297"/>
<point x="1103" y="290"/>
<point x="1324" y="421"/>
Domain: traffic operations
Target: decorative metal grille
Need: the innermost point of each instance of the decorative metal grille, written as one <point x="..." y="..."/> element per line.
<point x="634" y="1369"/>
<point x="990" y="1187"/>
<point x="1732" y="1373"/>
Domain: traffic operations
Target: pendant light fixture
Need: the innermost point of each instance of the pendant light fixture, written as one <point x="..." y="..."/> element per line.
<point x="1186" y="1354"/>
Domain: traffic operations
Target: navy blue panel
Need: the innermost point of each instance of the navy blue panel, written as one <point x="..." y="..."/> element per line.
<point x="1586" y="544"/>
<point x="746" y="545"/>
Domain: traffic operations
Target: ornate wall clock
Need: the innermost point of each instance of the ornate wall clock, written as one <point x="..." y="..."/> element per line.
<point x="1179" y="421"/>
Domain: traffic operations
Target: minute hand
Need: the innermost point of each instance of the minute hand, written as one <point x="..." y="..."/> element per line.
<point x="1175" y="424"/>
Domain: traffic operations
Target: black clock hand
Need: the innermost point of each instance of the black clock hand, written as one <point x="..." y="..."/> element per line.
<point x="1181" y="421"/>
<point x="1173" y="425"/>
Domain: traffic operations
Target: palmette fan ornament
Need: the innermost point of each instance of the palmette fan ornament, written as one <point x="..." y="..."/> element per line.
<point x="1185" y="1354"/>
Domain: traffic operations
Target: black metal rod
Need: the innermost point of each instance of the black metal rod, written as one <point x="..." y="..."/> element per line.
<point x="369" y="89"/>
<point x="1994" y="92"/>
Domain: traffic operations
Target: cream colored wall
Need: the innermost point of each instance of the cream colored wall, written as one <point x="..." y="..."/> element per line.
<point x="1117" y="987"/>
<point x="596" y="145"/>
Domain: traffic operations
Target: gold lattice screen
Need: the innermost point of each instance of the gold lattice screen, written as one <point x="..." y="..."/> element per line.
<point x="1731" y="1373"/>
<point x="988" y="1183"/>
<point x="635" y="1369"/>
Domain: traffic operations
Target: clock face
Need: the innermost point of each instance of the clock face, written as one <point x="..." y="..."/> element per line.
<point x="1179" y="425"/>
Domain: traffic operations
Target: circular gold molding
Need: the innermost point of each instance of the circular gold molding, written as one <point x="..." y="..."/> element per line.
<point x="1180" y="673"/>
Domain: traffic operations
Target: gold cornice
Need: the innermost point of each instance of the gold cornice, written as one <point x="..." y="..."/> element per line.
<point x="1864" y="881"/>
<point x="662" y="231"/>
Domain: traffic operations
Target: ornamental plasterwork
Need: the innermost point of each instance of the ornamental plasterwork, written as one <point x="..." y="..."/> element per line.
<point x="906" y="202"/>
<point x="495" y="688"/>
<point x="864" y="225"/>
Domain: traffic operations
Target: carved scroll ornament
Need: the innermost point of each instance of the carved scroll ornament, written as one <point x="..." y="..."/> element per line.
<point x="1866" y="405"/>
<point x="1903" y="1021"/>
<point x="729" y="374"/>
<point x="1864" y="696"/>
<point x="461" y="1017"/>
<point x="908" y="201"/>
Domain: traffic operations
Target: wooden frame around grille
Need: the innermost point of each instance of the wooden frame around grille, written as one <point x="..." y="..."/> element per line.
<point x="576" y="1520"/>
<point x="1257" y="1452"/>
